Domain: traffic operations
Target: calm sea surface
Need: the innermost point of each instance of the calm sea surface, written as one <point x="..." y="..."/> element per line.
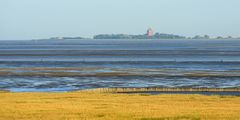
<point x="66" y="65"/>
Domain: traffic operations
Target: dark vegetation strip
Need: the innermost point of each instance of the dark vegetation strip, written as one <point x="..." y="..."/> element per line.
<point x="4" y="91"/>
<point x="231" y="93"/>
<point x="136" y="90"/>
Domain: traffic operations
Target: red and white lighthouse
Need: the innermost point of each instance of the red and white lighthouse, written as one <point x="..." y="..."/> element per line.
<point x="150" y="32"/>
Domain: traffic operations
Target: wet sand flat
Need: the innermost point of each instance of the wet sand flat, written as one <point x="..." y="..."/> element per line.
<point x="70" y="65"/>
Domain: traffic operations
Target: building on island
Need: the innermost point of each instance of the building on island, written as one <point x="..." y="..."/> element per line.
<point x="150" y="32"/>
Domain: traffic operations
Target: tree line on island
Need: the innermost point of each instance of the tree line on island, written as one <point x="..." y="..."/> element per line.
<point x="145" y="36"/>
<point x="155" y="36"/>
<point x="149" y="35"/>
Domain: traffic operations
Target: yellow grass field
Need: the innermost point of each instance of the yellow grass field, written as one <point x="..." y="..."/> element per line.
<point x="108" y="106"/>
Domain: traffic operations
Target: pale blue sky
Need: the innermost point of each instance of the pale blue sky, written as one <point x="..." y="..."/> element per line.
<point x="33" y="19"/>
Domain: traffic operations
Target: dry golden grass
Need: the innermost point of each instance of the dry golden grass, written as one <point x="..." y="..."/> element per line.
<point x="107" y="106"/>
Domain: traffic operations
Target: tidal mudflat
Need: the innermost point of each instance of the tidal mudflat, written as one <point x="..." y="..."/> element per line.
<point x="70" y="65"/>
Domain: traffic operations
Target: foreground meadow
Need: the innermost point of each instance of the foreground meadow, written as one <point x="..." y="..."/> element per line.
<point x="107" y="106"/>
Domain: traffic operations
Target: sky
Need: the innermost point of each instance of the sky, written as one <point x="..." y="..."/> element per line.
<point x="36" y="19"/>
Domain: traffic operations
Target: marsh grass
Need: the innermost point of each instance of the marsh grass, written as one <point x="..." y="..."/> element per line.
<point x="108" y="106"/>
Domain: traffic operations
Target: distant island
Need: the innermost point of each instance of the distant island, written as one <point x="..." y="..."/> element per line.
<point x="124" y="36"/>
<point x="149" y="35"/>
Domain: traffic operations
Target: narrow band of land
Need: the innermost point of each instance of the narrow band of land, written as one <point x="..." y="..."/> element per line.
<point x="109" y="72"/>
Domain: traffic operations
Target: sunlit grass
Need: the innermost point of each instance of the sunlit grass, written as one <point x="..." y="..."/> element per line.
<point x="109" y="106"/>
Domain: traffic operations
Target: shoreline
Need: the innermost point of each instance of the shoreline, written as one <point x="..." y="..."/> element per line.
<point x="153" y="91"/>
<point x="178" y="91"/>
<point x="156" y="89"/>
<point x="90" y="39"/>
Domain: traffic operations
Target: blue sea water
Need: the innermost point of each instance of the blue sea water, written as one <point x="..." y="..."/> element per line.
<point x="169" y="57"/>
